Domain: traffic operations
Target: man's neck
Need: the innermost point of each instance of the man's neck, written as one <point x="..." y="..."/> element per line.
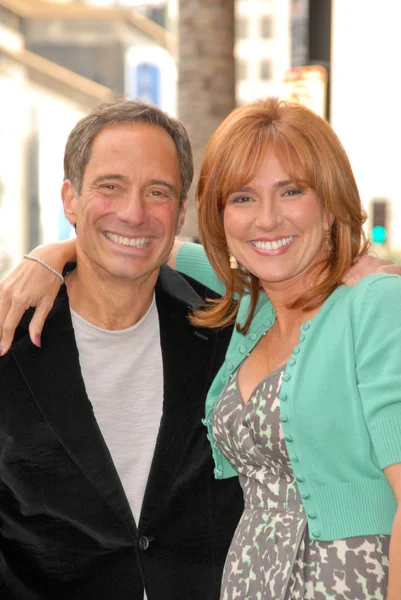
<point x="110" y="304"/>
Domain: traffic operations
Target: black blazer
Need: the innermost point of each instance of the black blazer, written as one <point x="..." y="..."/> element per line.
<point x="66" y="529"/>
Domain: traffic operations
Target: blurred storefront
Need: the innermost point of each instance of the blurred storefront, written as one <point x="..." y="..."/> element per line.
<point x="42" y="99"/>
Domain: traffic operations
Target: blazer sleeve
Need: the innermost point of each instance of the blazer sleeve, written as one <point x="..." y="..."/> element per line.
<point x="192" y="261"/>
<point x="377" y="321"/>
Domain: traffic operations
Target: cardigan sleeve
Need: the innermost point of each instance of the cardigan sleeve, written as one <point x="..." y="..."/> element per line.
<point x="192" y="261"/>
<point x="377" y="319"/>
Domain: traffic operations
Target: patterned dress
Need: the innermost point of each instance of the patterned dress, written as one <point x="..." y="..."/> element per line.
<point x="272" y="556"/>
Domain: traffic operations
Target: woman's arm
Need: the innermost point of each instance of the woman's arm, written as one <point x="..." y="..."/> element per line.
<point x="20" y="290"/>
<point x="191" y="260"/>
<point x="393" y="474"/>
<point x="377" y="337"/>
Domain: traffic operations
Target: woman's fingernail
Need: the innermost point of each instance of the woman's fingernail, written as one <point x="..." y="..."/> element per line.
<point x="38" y="341"/>
<point x="1" y="349"/>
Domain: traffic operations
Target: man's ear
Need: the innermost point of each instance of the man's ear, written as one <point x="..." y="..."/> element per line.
<point x="181" y="217"/>
<point x="69" y="199"/>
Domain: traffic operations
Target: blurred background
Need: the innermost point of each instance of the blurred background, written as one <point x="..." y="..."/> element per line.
<point x="196" y="59"/>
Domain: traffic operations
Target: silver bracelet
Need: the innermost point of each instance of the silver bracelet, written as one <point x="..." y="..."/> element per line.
<point x="42" y="262"/>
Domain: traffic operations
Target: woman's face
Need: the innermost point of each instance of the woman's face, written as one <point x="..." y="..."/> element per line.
<point x="274" y="228"/>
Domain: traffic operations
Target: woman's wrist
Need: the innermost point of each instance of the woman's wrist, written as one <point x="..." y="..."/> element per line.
<point x="56" y="254"/>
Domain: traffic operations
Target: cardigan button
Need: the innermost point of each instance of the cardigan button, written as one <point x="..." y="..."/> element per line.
<point x="242" y="349"/>
<point x="224" y="379"/>
<point x="283" y="397"/>
<point x="252" y="336"/>
<point x="284" y="419"/>
<point x="301" y="337"/>
<point x="316" y="533"/>
<point x="289" y="438"/>
<point x="229" y="365"/>
<point x="143" y="543"/>
<point x="306" y="326"/>
<point x="305" y="495"/>
<point x="294" y="458"/>
<point x="312" y="514"/>
<point x="292" y="362"/>
<point x="296" y="350"/>
<point x="268" y="323"/>
<point x="286" y="377"/>
<point x="300" y="479"/>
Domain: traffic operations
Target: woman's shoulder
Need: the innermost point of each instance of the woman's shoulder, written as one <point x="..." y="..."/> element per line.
<point x="374" y="300"/>
<point x="376" y="287"/>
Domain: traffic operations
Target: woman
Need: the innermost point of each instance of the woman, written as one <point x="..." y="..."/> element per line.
<point x="307" y="406"/>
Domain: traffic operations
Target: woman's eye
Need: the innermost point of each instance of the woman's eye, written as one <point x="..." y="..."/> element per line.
<point x="293" y="192"/>
<point x="240" y="200"/>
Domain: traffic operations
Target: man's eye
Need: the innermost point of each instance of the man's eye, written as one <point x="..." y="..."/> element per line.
<point x="109" y="186"/>
<point x="158" y="194"/>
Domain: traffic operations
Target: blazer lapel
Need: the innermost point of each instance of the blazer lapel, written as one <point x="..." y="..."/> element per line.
<point x="186" y="353"/>
<point x="54" y="377"/>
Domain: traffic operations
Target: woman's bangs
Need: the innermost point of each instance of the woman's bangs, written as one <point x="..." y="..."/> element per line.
<point x="240" y="165"/>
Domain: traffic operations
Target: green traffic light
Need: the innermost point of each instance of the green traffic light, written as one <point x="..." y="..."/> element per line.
<point x="379" y="234"/>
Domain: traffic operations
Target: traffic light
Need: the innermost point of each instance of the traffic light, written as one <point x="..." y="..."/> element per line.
<point x="379" y="229"/>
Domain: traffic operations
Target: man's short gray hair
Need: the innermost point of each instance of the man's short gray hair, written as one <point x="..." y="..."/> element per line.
<point x="79" y="144"/>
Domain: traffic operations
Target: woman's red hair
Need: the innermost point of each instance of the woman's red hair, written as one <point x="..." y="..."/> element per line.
<point x="312" y="155"/>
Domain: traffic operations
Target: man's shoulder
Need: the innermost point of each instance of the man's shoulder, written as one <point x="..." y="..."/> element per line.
<point x="183" y="287"/>
<point x="60" y="308"/>
<point x="203" y="290"/>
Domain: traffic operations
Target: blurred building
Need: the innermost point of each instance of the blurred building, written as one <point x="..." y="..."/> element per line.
<point x="262" y="47"/>
<point x="365" y="107"/>
<point x="49" y="57"/>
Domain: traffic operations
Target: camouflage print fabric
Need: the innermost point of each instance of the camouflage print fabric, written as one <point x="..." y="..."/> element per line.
<point x="272" y="556"/>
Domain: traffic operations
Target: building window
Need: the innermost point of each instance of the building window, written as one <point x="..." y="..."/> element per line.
<point x="266" y="70"/>
<point x="242" y="28"/>
<point x="241" y="69"/>
<point x="267" y="27"/>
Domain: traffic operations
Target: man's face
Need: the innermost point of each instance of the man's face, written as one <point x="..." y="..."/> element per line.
<point x="128" y="212"/>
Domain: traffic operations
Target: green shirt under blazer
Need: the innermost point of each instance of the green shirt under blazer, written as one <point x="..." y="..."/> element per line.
<point x="340" y="400"/>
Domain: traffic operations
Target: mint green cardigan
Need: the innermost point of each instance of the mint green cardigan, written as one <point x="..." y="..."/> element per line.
<point x="340" y="400"/>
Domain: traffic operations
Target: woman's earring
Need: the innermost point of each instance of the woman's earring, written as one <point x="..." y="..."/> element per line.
<point x="233" y="262"/>
<point x="327" y="240"/>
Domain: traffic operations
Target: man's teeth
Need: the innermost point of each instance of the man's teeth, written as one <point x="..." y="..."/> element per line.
<point x="272" y="245"/>
<point x="124" y="241"/>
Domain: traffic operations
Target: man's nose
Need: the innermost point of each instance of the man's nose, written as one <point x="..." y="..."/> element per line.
<point x="132" y="209"/>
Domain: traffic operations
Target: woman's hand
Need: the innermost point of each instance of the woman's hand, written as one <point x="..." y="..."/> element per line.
<point x="31" y="284"/>
<point x="367" y="265"/>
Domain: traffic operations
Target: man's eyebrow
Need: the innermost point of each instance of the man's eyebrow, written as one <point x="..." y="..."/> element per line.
<point x="108" y="176"/>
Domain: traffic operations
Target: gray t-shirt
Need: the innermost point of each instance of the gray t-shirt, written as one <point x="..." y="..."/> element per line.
<point x="123" y="375"/>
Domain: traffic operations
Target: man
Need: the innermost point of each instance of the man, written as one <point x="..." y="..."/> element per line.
<point x="106" y="476"/>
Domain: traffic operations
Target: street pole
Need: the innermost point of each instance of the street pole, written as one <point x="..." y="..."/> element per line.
<point x="319" y="40"/>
